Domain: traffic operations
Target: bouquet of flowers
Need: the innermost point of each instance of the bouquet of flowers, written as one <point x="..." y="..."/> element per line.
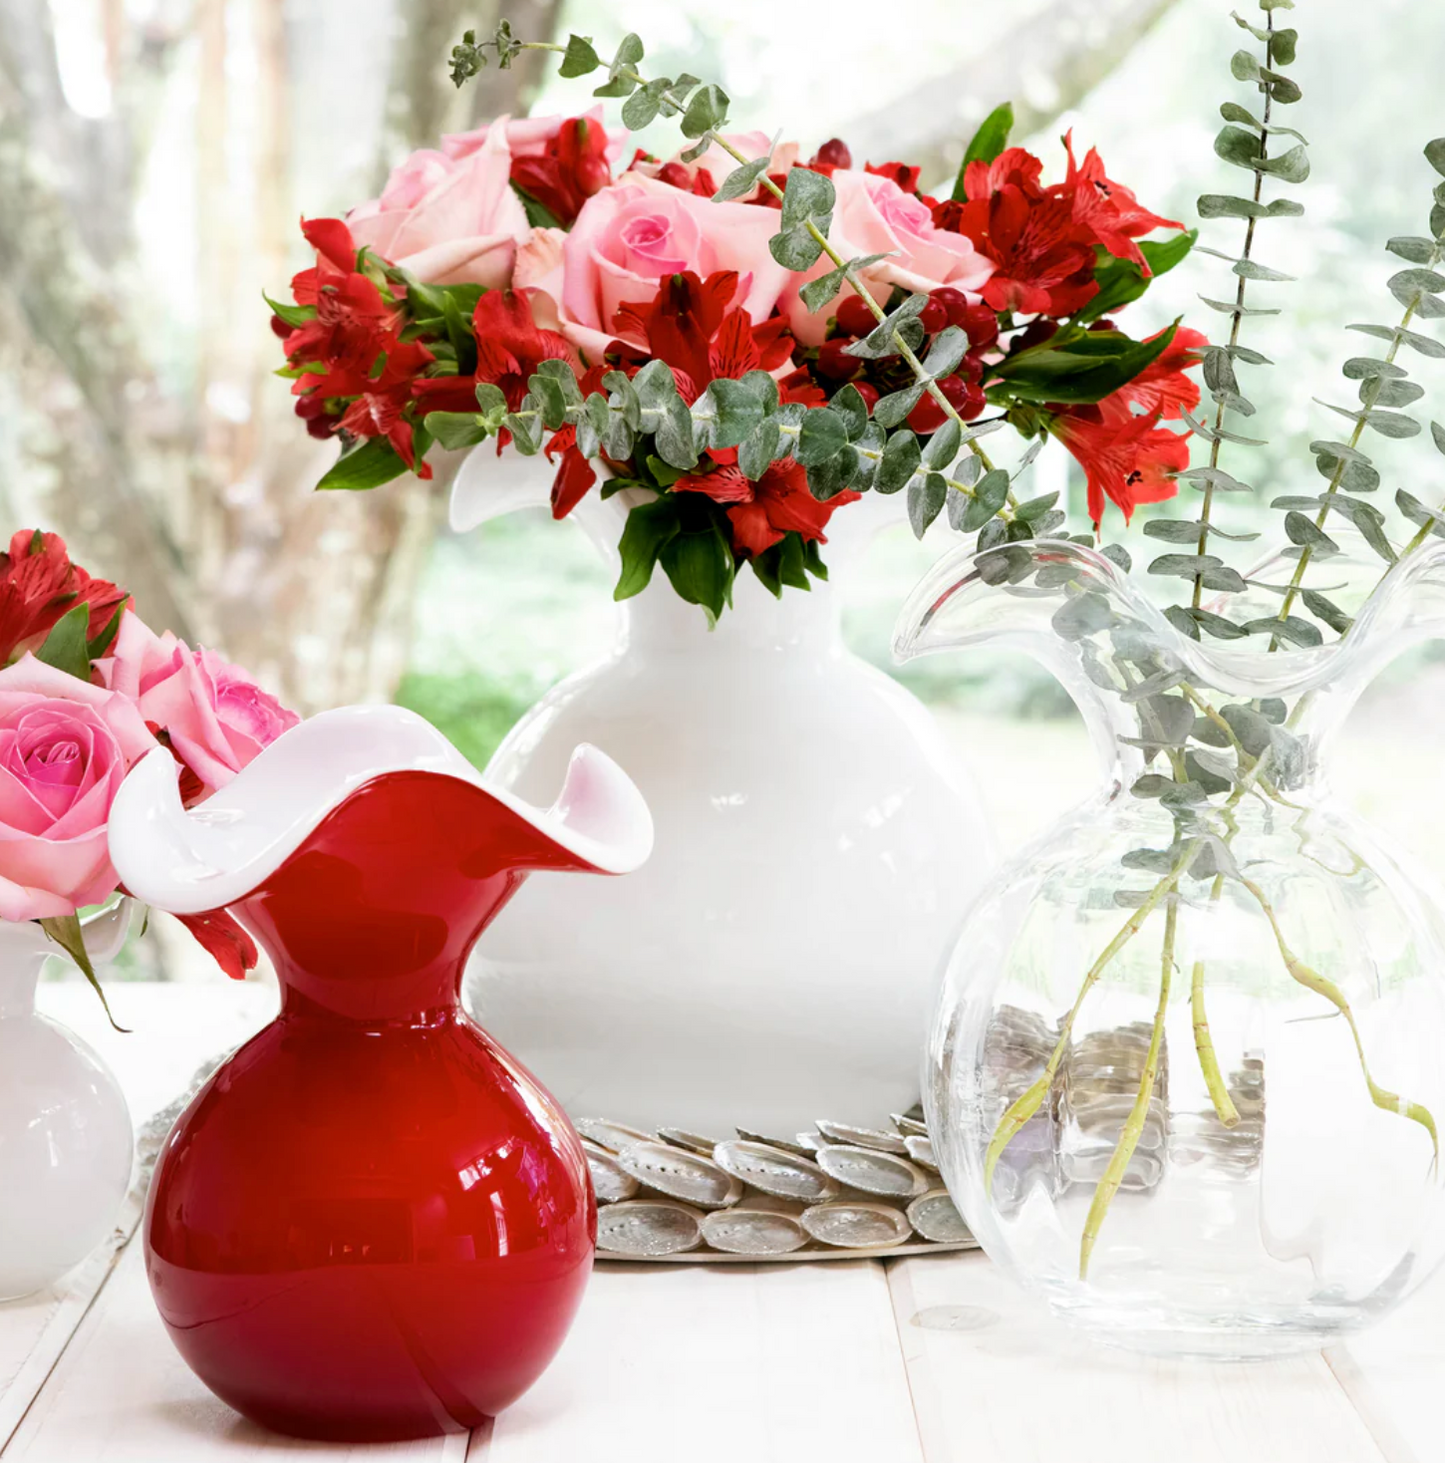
<point x="86" y="690"/>
<point x="749" y="339"/>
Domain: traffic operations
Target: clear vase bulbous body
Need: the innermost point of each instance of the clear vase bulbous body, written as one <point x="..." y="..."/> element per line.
<point x="778" y="958"/>
<point x="1185" y="1072"/>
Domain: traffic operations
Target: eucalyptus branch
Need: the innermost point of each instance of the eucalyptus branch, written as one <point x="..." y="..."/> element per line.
<point x="1223" y="400"/>
<point x="1244" y="142"/>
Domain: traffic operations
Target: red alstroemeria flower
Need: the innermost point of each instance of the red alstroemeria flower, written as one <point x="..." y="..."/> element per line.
<point x="510" y="347"/>
<point x="353" y="319"/>
<point x="1128" y="460"/>
<point x="39" y="585"/>
<point x="571" y="169"/>
<point x="904" y="174"/>
<point x="1126" y="455"/>
<point x="1045" y="266"/>
<point x="1163" y="387"/>
<point x="1109" y="210"/>
<point x="688" y="324"/>
<point x="383" y="397"/>
<point x="761" y="513"/>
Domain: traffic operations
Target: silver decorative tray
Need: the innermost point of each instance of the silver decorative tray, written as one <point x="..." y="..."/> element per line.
<point x="836" y="1192"/>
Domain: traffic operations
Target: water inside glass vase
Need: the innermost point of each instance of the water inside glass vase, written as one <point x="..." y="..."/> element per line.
<point x="1184" y="1074"/>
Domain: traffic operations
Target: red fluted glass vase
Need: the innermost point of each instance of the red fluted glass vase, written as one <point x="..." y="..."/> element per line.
<point x="371" y="1223"/>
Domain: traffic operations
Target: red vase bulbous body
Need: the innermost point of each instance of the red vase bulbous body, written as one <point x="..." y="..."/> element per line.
<point x="371" y="1223"/>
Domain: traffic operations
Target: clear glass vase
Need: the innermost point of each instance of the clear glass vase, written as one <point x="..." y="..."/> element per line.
<point x="1186" y="1071"/>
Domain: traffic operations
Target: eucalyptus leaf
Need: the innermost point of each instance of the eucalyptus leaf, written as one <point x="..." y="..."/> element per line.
<point x="926" y="497"/>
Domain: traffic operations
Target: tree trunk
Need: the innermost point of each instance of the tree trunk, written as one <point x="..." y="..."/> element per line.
<point x="1045" y="65"/>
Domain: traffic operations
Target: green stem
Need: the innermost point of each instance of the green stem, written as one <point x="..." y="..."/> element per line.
<point x="1224" y="1107"/>
<point x="1220" y="410"/>
<point x="1134" y="1125"/>
<point x="1023" y="1108"/>
<point x="1312" y="980"/>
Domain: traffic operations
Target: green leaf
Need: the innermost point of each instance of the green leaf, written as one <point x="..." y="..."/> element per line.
<point x="1200" y="478"/>
<point x="901" y="321"/>
<point x="1237" y="146"/>
<point x="1419" y="514"/>
<point x="1289" y="167"/>
<point x="649" y="528"/>
<point x="102" y="642"/>
<point x="580" y="58"/>
<point x="1121" y="281"/>
<point x="988" y="497"/>
<point x="756" y="454"/>
<point x="742" y="180"/>
<point x="456" y="430"/>
<point x="642" y="107"/>
<point x="824" y="434"/>
<point x="700" y="566"/>
<point x="890" y="410"/>
<point x="1435" y="154"/>
<point x="1304" y="532"/>
<point x="707" y="111"/>
<point x="1077" y="366"/>
<point x="1220" y="205"/>
<point x="942" y="447"/>
<point x="926" y="497"/>
<point x="1437" y="432"/>
<point x="67" y="646"/>
<point x="853" y="409"/>
<point x="1233" y="112"/>
<point x="1416" y="249"/>
<point x="1216" y="625"/>
<point x="1291" y="628"/>
<point x="367" y="465"/>
<point x="901" y="459"/>
<point x="1184" y="566"/>
<point x="1425" y="344"/>
<point x="988" y="142"/>
<point x="1173" y="530"/>
<point x="291" y="314"/>
<point x="1326" y="610"/>
<point x="66" y="931"/>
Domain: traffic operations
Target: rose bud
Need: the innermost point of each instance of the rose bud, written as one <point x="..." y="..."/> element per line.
<point x="834" y="154"/>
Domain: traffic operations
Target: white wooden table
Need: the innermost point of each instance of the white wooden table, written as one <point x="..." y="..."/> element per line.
<point x="912" y="1361"/>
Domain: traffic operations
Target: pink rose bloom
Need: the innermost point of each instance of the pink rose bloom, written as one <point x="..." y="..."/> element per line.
<point x="448" y="220"/>
<point x="630" y="236"/>
<point x="214" y="716"/>
<point x="65" y="748"/>
<point x="529" y="136"/>
<point x="873" y="215"/>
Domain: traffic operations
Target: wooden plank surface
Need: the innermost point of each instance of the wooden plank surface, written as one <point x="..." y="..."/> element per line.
<point x="994" y="1376"/>
<point x="122" y="1394"/>
<point x="722" y="1364"/>
<point x="930" y="1360"/>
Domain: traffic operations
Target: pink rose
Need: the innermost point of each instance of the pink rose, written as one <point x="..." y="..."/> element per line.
<point x="215" y="718"/>
<point x="448" y="220"/>
<point x="65" y="748"/>
<point x="529" y="136"/>
<point x="873" y="215"/>
<point x="630" y="236"/>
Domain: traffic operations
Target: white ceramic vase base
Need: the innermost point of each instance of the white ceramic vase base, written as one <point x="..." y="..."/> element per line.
<point x="777" y="960"/>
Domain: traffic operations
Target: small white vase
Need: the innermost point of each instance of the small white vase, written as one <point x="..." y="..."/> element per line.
<point x="66" y="1143"/>
<point x="777" y="960"/>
